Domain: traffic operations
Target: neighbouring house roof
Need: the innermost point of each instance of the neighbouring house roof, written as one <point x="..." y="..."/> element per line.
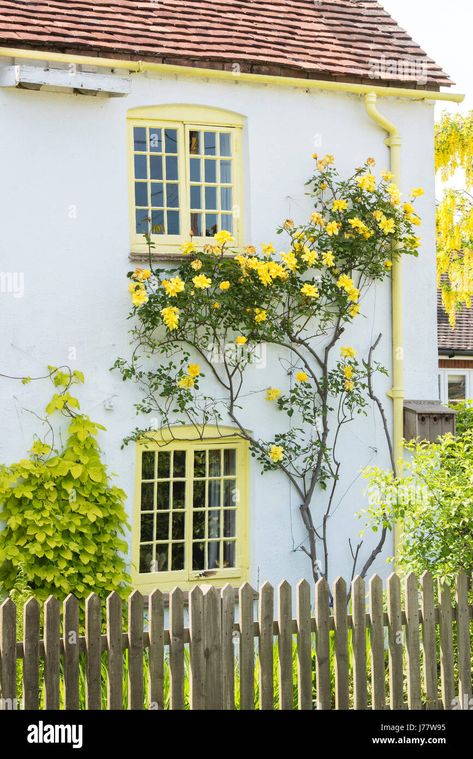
<point x="459" y="340"/>
<point x="345" y="40"/>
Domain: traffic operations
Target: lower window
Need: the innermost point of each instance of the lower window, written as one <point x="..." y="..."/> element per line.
<point x="190" y="521"/>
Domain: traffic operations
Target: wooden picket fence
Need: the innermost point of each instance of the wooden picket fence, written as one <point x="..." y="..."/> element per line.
<point x="222" y="649"/>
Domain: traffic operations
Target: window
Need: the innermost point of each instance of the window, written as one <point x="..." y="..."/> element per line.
<point x="456" y="387"/>
<point x="190" y="520"/>
<point x="185" y="175"/>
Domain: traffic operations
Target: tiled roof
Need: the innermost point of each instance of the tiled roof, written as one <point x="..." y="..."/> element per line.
<point x="461" y="338"/>
<point x="337" y="39"/>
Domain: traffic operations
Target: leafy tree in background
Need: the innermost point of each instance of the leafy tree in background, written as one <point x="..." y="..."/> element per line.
<point x="454" y="152"/>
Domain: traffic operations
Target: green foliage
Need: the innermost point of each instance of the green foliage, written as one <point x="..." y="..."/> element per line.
<point x="62" y="516"/>
<point x="433" y="502"/>
<point x="464" y="417"/>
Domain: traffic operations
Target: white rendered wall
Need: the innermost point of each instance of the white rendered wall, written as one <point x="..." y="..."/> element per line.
<point x="64" y="226"/>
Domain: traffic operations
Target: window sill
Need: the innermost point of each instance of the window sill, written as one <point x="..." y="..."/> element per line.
<point x="166" y="256"/>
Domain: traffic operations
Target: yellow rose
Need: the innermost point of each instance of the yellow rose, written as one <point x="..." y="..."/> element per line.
<point x="366" y="182"/>
<point x="310" y="291"/>
<point x="223" y="237"/>
<point x="201" y="282"/>
<point x="241" y="340"/>
<point x="388" y="226"/>
<point x="349" y="386"/>
<point x="317" y="219"/>
<point x="193" y="370"/>
<point x="187" y="247"/>
<point x="328" y="258"/>
<point x="388" y="176"/>
<point x="272" y="394"/>
<point x="302" y="377"/>
<point x="276" y="453"/>
<point x="225" y="285"/>
<point x="340" y="205"/>
<point x="170" y="317"/>
<point x="141" y="274"/>
<point x="197" y="264"/>
<point x="290" y="260"/>
<point x="354" y="310"/>
<point x="388" y="264"/>
<point x="348" y="352"/>
<point x="250" y="250"/>
<point x="173" y="286"/>
<point x="348" y="372"/>
<point x="260" y="315"/>
<point x="417" y="192"/>
<point x="268" y="250"/>
<point x="186" y="383"/>
<point x="332" y="228"/>
<point x="139" y="297"/>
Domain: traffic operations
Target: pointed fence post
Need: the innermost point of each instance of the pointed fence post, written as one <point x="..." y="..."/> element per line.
<point x="135" y="651"/>
<point x="228" y="650"/>
<point x="396" y="643"/>
<point x="31" y="634"/>
<point x="156" y="650"/>
<point x="51" y="653"/>
<point x="322" y="643"/>
<point x="340" y="599"/>
<point x="196" y="648"/>
<point x="71" y="653"/>
<point x="429" y="641"/>
<point x="463" y="641"/>
<point x="8" y="655"/>
<point x="247" y="648"/>
<point x="304" y="646"/>
<point x="176" y="648"/>
<point x="93" y="644"/>
<point x="115" y="652"/>
<point x="213" y="690"/>
<point x="411" y="593"/>
<point x="359" y="644"/>
<point x="378" y="684"/>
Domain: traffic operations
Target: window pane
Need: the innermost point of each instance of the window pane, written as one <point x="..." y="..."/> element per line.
<point x="141" y="193"/>
<point x="162" y="526"/>
<point x="194" y="143"/>
<point x="210" y="171"/>
<point x="178" y="525"/>
<point x="198" y="528"/>
<point x="229" y="555"/>
<point x="227" y="222"/>
<point x="147" y="496"/>
<point x="146" y="558"/>
<point x="139" y="134"/>
<point x="199" y="494"/>
<point x="199" y="463"/>
<point x="213" y="559"/>
<point x="157" y="195"/>
<point x="210" y="143"/>
<point x="171" y="141"/>
<point x="147" y="465"/>
<point x="211" y="198"/>
<point x="141" y="221"/>
<point x="155" y="140"/>
<point x="214" y="463"/>
<point x="229" y="462"/>
<point x="179" y="464"/>
<point x="226" y="172"/>
<point x="163" y="496"/>
<point x="172" y="196"/>
<point x="171" y="168"/>
<point x="214" y="494"/>
<point x="161" y="564"/>
<point x="226" y="198"/>
<point x="164" y="464"/>
<point x="225" y="144"/>
<point x="229" y="524"/>
<point x="146" y="534"/>
<point x="214" y="524"/>
<point x="195" y="169"/>
<point x="179" y="495"/>
<point x="156" y="167"/>
<point x="196" y="224"/>
<point x="198" y="556"/>
<point x="157" y="222"/>
<point x="229" y="494"/>
<point x="173" y="222"/>
<point x="456" y="387"/>
<point x="141" y="167"/>
<point x="211" y="227"/>
<point x="195" y="197"/>
<point x="177" y="561"/>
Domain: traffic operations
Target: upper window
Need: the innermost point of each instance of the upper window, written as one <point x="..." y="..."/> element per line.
<point x="191" y="511"/>
<point x="185" y="169"/>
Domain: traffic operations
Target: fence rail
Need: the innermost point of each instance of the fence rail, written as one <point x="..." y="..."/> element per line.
<point x="408" y="647"/>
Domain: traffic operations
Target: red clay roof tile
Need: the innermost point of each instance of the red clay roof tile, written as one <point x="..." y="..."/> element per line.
<point x="334" y="39"/>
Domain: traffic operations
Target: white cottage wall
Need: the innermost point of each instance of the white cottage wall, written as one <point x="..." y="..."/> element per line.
<point x="64" y="227"/>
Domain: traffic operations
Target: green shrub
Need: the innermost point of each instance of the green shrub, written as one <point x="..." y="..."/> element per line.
<point x="62" y="516"/>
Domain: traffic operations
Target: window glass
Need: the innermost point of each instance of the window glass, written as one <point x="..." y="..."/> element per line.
<point x="456" y="387"/>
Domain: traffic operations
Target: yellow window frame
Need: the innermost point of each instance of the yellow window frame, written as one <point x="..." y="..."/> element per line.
<point x="187" y="438"/>
<point x="185" y="118"/>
